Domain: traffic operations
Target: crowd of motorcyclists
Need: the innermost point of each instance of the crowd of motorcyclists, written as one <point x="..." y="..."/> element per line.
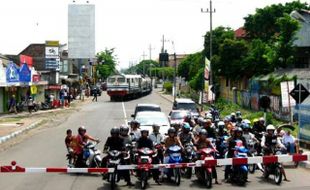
<point x="228" y="138"/>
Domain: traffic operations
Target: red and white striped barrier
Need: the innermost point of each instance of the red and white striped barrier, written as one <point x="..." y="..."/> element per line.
<point x="212" y="162"/>
<point x="17" y="169"/>
<point x="224" y="162"/>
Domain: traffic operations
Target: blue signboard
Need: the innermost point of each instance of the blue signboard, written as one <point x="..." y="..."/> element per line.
<point x="12" y="73"/>
<point x="51" y="63"/>
<point x="24" y="73"/>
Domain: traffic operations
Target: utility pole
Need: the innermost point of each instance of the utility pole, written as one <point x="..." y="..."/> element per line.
<point x="211" y="11"/>
<point x="150" y="50"/>
<point x="163" y="49"/>
<point x="175" y="73"/>
<point x="143" y="57"/>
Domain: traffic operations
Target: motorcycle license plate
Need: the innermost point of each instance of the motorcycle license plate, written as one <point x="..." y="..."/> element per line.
<point x="114" y="161"/>
<point x="175" y="155"/>
<point x="242" y="154"/>
<point x="144" y="157"/>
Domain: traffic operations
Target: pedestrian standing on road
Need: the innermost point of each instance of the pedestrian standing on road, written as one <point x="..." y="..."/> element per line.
<point x="95" y="94"/>
<point x="12" y="104"/>
<point x="30" y="104"/>
<point x="83" y="94"/>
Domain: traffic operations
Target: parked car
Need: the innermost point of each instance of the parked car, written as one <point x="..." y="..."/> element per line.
<point x="186" y="104"/>
<point x="178" y="116"/>
<point x="103" y="86"/>
<point x="148" y="118"/>
<point x="95" y="89"/>
<point x="146" y="107"/>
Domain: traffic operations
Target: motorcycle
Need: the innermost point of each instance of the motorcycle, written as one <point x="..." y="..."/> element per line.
<point x="114" y="159"/>
<point x="274" y="169"/>
<point x="188" y="157"/>
<point x="204" y="173"/>
<point x="174" y="153"/>
<point x="91" y="155"/>
<point x="239" y="173"/>
<point x="253" y="152"/>
<point x="145" y="158"/>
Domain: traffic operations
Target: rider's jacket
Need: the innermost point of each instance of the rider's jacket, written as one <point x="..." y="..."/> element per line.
<point x="144" y="143"/>
<point x="114" y="143"/>
<point x="186" y="137"/>
<point x="157" y="138"/>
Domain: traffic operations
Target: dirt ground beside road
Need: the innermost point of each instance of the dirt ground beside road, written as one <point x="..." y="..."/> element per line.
<point x="47" y="120"/>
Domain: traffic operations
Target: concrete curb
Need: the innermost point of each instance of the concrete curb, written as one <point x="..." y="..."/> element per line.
<point x="19" y="132"/>
<point x="305" y="164"/>
<point x="164" y="97"/>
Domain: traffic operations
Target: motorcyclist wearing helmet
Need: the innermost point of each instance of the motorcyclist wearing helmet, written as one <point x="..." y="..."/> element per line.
<point x="155" y="136"/>
<point x="172" y="139"/>
<point x="145" y="142"/>
<point x="231" y="148"/>
<point x="81" y="140"/>
<point x="221" y="130"/>
<point x="203" y="142"/>
<point x="135" y="131"/>
<point x="124" y="130"/>
<point x="177" y="127"/>
<point x="269" y="142"/>
<point x="208" y="126"/>
<point x="228" y="124"/>
<point x="233" y="117"/>
<point x="116" y="142"/>
<point x="186" y="136"/>
<point x="249" y="137"/>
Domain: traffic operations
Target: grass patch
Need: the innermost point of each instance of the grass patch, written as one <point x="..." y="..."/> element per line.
<point x="226" y="108"/>
<point x="11" y="119"/>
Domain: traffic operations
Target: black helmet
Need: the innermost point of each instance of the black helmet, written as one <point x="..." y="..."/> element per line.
<point x="171" y="130"/>
<point x="156" y="127"/>
<point x="238" y="129"/>
<point x="114" y="131"/>
<point x="82" y="128"/>
<point x="124" y="129"/>
<point x="144" y="130"/>
<point x="203" y="132"/>
<point x="135" y="122"/>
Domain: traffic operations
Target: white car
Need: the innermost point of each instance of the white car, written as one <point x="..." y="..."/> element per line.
<point x="148" y="118"/>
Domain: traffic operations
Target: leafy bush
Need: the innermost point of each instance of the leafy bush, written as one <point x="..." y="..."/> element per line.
<point x="226" y="108"/>
<point x="168" y="87"/>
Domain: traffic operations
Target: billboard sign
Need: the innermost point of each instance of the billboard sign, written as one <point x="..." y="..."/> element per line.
<point x="26" y="59"/>
<point x="51" y="63"/>
<point x="52" y="58"/>
<point x="51" y="52"/>
<point x="81" y="31"/>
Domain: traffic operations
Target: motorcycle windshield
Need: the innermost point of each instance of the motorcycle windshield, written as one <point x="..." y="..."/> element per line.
<point x="174" y="148"/>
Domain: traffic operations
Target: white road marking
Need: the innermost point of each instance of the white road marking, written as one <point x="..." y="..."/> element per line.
<point x="125" y="116"/>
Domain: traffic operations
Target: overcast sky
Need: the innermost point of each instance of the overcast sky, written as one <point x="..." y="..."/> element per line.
<point x="129" y="26"/>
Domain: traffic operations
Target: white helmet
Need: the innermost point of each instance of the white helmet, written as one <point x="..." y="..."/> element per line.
<point x="246" y="121"/>
<point x="270" y="127"/>
<point x="221" y="123"/>
<point x="209" y="116"/>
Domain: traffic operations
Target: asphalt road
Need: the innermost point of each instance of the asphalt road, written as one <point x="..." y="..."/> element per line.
<point x="45" y="148"/>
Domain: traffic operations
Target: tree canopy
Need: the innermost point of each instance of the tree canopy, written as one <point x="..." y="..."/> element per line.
<point x="106" y="63"/>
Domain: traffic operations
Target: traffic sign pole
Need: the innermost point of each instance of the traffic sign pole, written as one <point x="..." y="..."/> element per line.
<point x="299" y="103"/>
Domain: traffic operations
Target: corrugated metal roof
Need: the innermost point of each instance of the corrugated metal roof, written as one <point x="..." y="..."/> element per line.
<point x="303" y="34"/>
<point x="299" y="73"/>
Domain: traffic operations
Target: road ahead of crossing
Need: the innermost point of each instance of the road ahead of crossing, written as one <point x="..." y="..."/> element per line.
<point x="46" y="148"/>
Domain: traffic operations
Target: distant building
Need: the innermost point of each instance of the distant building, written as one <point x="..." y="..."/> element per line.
<point x="240" y="33"/>
<point x="179" y="58"/>
<point x="303" y="38"/>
